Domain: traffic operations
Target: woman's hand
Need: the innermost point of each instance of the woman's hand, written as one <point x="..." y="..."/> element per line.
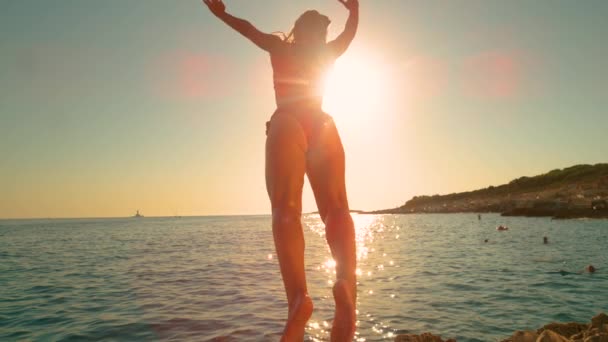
<point x="351" y="5"/>
<point x="216" y="7"/>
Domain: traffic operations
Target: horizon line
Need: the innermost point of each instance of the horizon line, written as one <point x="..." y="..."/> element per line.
<point x="144" y="217"/>
<point x="120" y="217"/>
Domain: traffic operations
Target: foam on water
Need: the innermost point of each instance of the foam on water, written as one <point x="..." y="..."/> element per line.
<point x="217" y="278"/>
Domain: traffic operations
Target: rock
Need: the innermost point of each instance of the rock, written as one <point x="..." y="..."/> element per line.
<point x="597" y="331"/>
<point x="523" y="336"/>
<point x="593" y="334"/>
<point x="565" y="329"/>
<point x="580" y="337"/>
<point x="551" y="336"/>
<point x="600" y="337"/>
<point x="590" y="332"/>
<point x="426" y="337"/>
<point x="599" y="321"/>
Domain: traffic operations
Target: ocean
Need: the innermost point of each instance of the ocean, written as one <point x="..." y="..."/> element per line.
<point x="217" y="278"/>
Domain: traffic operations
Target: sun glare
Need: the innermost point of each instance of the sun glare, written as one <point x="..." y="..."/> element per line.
<point x="355" y="89"/>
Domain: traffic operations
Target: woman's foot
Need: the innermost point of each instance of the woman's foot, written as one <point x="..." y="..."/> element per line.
<point x="345" y="318"/>
<point x="299" y="314"/>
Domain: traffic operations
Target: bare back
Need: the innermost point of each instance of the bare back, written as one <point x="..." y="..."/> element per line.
<point x="299" y="74"/>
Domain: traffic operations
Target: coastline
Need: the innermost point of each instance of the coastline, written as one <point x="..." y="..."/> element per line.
<point x="557" y="214"/>
<point x="579" y="191"/>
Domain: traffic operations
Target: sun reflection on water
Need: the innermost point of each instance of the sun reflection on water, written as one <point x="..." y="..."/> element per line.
<point x="364" y="233"/>
<point x="368" y="229"/>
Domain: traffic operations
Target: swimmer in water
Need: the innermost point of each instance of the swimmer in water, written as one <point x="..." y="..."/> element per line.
<point x="589" y="269"/>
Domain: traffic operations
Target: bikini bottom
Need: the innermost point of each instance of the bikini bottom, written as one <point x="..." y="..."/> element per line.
<point x="310" y="121"/>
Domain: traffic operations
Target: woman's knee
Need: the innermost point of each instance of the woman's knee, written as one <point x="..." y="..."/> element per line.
<point x="339" y="225"/>
<point x="332" y="202"/>
<point x="286" y="214"/>
<point x="338" y="217"/>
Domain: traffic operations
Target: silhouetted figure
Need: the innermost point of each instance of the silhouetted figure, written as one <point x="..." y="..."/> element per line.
<point x="479" y="217"/>
<point x="545" y="240"/>
<point x="303" y="140"/>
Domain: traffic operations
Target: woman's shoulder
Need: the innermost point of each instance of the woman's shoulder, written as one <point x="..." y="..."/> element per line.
<point x="279" y="45"/>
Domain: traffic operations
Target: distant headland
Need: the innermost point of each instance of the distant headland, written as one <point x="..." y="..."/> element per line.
<point x="579" y="191"/>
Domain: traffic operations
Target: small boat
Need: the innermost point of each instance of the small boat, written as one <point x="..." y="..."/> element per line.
<point x="501" y="227"/>
<point x="138" y="215"/>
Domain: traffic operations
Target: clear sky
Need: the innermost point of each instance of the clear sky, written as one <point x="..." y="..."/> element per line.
<point x="111" y="106"/>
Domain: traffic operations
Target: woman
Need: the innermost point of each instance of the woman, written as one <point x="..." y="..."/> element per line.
<point x="302" y="139"/>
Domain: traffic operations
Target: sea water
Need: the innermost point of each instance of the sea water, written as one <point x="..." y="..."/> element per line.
<point x="217" y="278"/>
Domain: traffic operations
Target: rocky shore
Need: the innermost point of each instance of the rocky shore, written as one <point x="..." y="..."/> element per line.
<point x="580" y="191"/>
<point x="559" y="213"/>
<point x="595" y="331"/>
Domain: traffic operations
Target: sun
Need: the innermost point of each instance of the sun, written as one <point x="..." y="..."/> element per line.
<point x="356" y="89"/>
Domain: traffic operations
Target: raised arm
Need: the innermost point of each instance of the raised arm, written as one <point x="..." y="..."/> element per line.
<point x="265" y="41"/>
<point x="341" y="43"/>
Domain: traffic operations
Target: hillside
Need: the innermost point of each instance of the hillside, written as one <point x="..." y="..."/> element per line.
<point x="573" y="190"/>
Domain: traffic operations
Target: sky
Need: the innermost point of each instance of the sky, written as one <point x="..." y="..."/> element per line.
<point x="108" y="107"/>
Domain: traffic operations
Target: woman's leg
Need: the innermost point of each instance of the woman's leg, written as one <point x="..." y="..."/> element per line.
<point x="325" y="169"/>
<point x="285" y="167"/>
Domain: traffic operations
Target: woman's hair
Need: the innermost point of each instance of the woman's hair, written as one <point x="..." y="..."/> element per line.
<point x="310" y="21"/>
